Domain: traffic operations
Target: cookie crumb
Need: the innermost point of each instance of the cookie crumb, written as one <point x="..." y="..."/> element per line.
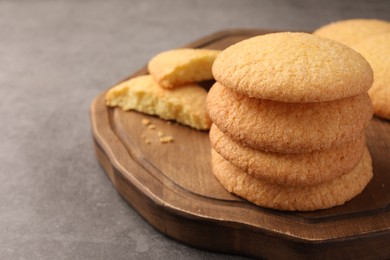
<point x="147" y="141"/>
<point x="146" y="121"/>
<point x="160" y="134"/>
<point x="166" y="139"/>
<point x="151" y="127"/>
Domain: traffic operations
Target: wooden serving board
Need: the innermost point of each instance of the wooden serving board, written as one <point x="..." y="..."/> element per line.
<point x="172" y="187"/>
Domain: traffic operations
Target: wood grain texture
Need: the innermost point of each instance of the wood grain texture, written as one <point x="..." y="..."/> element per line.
<point x="172" y="187"/>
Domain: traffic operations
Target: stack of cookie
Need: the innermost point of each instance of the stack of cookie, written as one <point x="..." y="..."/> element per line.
<point x="289" y="112"/>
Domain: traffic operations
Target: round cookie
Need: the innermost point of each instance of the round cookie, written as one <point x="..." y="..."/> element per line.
<point x="353" y="31"/>
<point x="293" y="67"/>
<point x="377" y="52"/>
<point x="288" y="127"/>
<point x="325" y="195"/>
<point x="289" y="169"/>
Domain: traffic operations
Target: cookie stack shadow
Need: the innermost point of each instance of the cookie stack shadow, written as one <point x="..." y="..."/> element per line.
<point x="289" y="112"/>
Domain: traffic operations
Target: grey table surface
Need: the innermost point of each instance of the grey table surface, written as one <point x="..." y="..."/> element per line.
<point x="55" y="57"/>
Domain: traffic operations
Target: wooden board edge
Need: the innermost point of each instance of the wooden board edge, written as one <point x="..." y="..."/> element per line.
<point x="384" y="235"/>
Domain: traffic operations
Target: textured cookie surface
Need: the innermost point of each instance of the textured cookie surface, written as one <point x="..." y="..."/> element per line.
<point x="186" y="104"/>
<point x="325" y="195"/>
<point x="177" y="67"/>
<point x="289" y="169"/>
<point x="353" y="31"/>
<point x="288" y="127"/>
<point x="377" y="52"/>
<point x="293" y="67"/>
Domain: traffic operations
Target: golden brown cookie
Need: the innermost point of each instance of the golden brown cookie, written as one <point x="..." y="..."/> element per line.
<point x="321" y="196"/>
<point x="289" y="169"/>
<point x="186" y="104"/>
<point x="353" y="31"/>
<point x="288" y="127"/>
<point x="180" y="66"/>
<point x="377" y="52"/>
<point x="293" y="67"/>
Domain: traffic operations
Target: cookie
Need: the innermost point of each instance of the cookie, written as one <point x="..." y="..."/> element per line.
<point x="353" y="31"/>
<point x="288" y="127"/>
<point x="177" y="67"/>
<point x="289" y="169"/>
<point x="377" y="52"/>
<point x="185" y="104"/>
<point x="293" y="67"/>
<point x="321" y="196"/>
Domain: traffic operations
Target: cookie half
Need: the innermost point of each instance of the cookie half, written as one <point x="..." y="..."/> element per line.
<point x="353" y="31"/>
<point x="289" y="169"/>
<point x="180" y="66"/>
<point x="186" y="104"/>
<point x="377" y="52"/>
<point x="322" y="196"/>
<point x="288" y="127"/>
<point x="293" y="67"/>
